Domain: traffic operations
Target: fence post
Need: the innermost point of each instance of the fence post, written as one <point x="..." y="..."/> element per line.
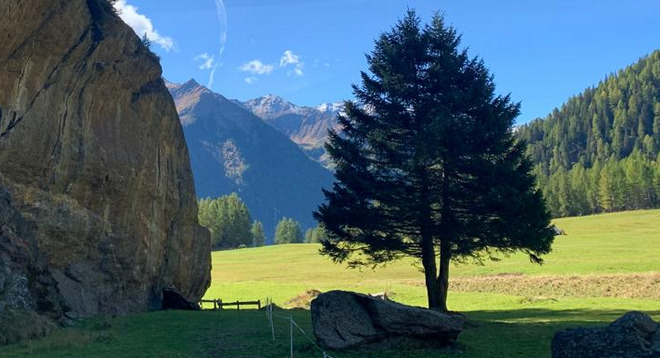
<point x="291" y="326"/>
<point x="259" y="304"/>
<point x="272" y="325"/>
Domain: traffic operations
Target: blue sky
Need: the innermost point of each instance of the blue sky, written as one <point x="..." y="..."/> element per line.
<point x="311" y="51"/>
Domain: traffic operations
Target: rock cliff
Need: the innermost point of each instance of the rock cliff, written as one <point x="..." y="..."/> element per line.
<point x="93" y="155"/>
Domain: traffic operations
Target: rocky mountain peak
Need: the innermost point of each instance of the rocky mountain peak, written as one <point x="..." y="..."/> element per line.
<point x="271" y="106"/>
<point x="335" y="107"/>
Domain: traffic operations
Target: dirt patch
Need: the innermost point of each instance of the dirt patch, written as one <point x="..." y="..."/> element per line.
<point x="303" y="300"/>
<point x="639" y="286"/>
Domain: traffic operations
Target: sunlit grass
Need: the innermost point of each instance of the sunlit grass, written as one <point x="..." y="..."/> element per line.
<point x="514" y="321"/>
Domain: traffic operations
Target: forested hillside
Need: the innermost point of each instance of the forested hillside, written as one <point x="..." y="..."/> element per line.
<point x="599" y="151"/>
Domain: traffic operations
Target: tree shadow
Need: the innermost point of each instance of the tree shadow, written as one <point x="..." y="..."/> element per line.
<point x="566" y="317"/>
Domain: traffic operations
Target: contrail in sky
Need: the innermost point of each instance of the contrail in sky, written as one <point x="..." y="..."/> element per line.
<point x="222" y="19"/>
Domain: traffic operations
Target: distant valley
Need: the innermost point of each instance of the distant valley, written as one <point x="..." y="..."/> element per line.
<point x="233" y="150"/>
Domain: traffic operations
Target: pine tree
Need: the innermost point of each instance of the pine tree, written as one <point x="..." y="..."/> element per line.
<point x="316" y="235"/>
<point x="308" y="235"/>
<point x="146" y="41"/>
<point x="427" y="165"/>
<point x="656" y="123"/>
<point x="258" y="234"/>
<point x="288" y="232"/>
<point x="228" y="219"/>
<point x="605" y="192"/>
<point x="579" y="200"/>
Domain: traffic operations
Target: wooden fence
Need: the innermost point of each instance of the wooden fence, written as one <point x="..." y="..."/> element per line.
<point x="218" y="304"/>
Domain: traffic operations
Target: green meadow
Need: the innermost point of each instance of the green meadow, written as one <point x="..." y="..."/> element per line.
<point x="605" y="265"/>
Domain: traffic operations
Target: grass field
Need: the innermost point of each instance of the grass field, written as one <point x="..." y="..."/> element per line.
<point x="604" y="266"/>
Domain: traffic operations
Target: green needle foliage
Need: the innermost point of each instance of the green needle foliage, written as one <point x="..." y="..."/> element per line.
<point x="229" y="221"/>
<point x="288" y="232"/>
<point x="258" y="235"/>
<point x="316" y="235"/>
<point x="600" y="151"/>
<point x="427" y="164"/>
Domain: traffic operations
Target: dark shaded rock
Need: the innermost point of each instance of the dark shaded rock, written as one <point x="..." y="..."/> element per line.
<point x="635" y="335"/>
<point x="344" y="320"/>
<point x="26" y="289"/>
<point x="557" y="231"/>
<point x="93" y="154"/>
<point x="16" y="258"/>
<point x="173" y="300"/>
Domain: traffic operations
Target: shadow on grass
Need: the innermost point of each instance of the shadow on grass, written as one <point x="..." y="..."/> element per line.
<point x="525" y="332"/>
<point x="580" y="316"/>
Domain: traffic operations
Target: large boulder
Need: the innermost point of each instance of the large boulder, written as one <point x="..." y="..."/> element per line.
<point x="29" y="298"/>
<point x="345" y="320"/>
<point x="93" y="154"/>
<point x="635" y="335"/>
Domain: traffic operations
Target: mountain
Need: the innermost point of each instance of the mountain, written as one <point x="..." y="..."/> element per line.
<point x="306" y="126"/>
<point x="232" y="150"/>
<point x="599" y="151"/>
<point x="98" y="213"/>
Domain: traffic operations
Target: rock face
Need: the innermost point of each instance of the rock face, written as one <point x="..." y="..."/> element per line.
<point x="344" y="320"/>
<point x="232" y="150"/>
<point x="22" y="271"/>
<point x="635" y="335"/>
<point x="25" y="287"/>
<point x="93" y="154"/>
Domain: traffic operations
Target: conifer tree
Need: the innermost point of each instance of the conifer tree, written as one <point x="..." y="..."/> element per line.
<point x="258" y="234"/>
<point x="228" y="219"/>
<point x="146" y="41"/>
<point x="316" y="235"/>
<point x="288" y="232"/>
<point x="427" y="164"/>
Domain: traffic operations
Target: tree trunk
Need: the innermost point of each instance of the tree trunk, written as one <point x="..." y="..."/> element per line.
<point x="443" y="276"/>
<point x="430" y="272"/>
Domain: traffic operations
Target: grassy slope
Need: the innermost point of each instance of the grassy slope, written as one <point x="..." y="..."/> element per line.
<point x="602" y="244"/>
<point x="500" y="325"/>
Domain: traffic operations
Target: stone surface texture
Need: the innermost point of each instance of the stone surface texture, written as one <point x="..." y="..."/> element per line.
<point x="635" y="335"/>
<point x="94" y="162"/>
<point x="346" y="320"/>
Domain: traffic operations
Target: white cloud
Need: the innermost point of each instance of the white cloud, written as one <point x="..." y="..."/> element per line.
<point x="298" y="70"/>
<point x="206" y="60"/>
<point x="290" y="58"/>
<point x="142" y="25"/>
<point x="257" y="67"/>
<point x="251" y="80"/>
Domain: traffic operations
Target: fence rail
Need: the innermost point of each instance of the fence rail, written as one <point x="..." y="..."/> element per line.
<point x="218" y="304"/>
